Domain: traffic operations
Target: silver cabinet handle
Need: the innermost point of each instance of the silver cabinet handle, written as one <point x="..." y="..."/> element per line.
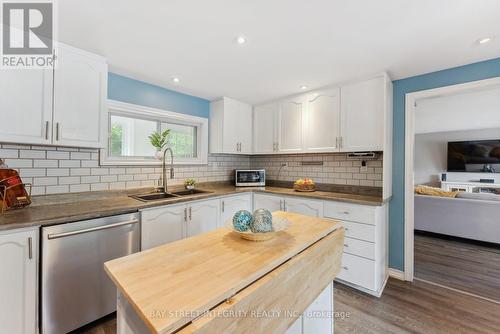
<point x="30" y="248"/>
<point x="185" y="215"/>
<point x="341" y="142"/>
<point x="337" y="142"/>
<point x="92" y="229"/>
<point x="222" y="206"/>
<point x="47" y="130"/>
<point x="190" y="216"/>
<point x="57" y="131"/>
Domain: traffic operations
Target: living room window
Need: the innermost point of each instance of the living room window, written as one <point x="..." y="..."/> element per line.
<point x="129" y="126"/>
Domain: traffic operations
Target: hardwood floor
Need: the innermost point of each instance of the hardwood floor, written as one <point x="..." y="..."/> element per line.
<point x="414" y="308"/>
<point x="460" y="265"/>
<point x="403" y="308"/>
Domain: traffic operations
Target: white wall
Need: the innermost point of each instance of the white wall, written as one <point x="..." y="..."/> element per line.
<point x="477" y="109"/>
<point x="431" y="155"/>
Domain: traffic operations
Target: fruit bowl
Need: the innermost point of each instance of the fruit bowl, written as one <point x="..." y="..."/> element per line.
<point x="304" y="185"/>
<point x="279" y="224"/>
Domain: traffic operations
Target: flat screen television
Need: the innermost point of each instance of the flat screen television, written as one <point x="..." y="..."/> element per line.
<point x="474" y="156"/>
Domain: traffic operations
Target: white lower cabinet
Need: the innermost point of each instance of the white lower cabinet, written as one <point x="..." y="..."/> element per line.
<point x="19" y="281"/>
<point x="304" y="206"/>
<point x="162" y="225"/>
<point x="203" y="217"/>
<point x="230" y="205"/>
<point x="317" y="318"/>
<point x="269" y="202"/>
<point x="313" y="208"/>
<point x="364" y="263"/>
<point x="169" y="223"/>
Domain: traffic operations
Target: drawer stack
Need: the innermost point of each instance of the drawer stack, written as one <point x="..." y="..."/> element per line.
<point x="364" y="263"/>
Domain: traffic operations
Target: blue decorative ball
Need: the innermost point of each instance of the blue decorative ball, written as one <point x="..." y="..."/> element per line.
<point x="262" y="221"/>
<point x="242" y="220"/>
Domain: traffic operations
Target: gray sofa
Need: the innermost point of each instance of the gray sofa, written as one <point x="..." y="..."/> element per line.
<point x="475" y="217"/>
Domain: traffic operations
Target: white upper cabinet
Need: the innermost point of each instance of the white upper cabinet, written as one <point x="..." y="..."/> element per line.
<point x="362" y="118"/>
<point x="265" y="134"/>
<point x="65" y="105"/>
<point x="230" y="127"/>
<point x="19" y="281"/>
<point x="26" y="120"/>
<point x="80" y="88"/>
<point x="323" y="121"/>
<point x="290" y="124"/>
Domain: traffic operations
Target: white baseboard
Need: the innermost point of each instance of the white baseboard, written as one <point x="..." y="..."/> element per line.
<point x="397" y="274"/>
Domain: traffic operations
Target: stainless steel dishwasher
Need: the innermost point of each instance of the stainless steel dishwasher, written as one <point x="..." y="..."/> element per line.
<point x="75" y="288"/>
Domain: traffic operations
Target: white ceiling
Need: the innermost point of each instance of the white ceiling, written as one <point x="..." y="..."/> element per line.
<point x="290" y="42"/>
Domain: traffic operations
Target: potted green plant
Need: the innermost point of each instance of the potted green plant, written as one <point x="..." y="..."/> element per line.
<point x="190" y="184"/>
<point x="159" y="140"/>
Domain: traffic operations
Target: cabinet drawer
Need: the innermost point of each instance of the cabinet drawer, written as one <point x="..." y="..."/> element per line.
<point x="359" y="248"/>
<point x="359" y="231"/>
<point x="358" y="270"/>
<point x="350" y="212"/>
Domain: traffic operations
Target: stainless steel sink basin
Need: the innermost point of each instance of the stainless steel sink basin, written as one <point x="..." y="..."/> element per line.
<point x="176" y="194"/>
<point x="153" y="197"/>
<point x="189" y="192"/>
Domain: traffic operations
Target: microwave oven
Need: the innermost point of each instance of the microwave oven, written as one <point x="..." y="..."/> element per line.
<point x="250" y="177"/>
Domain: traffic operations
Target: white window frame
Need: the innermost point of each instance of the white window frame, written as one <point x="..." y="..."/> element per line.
<point x="136" y="111"/>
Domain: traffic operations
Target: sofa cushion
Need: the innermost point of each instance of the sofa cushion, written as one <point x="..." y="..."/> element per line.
<point x="479" y="196"/>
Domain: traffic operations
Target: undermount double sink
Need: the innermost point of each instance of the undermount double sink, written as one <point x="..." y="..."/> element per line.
<point x="175" y="194"/>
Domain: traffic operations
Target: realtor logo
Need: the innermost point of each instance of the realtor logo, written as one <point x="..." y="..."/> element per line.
<point x="27" y="34"/>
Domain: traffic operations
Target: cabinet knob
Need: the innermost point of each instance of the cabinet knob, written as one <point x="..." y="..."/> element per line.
<point x="346" y="228"/>
<point x="346" y="245"/>
<point x="345" y="267"/>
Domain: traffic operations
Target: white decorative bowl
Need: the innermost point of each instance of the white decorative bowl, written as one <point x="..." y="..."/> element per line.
<point x="279" y="224"/>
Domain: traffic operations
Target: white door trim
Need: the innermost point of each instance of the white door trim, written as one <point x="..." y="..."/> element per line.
<point x="410" y="100"/>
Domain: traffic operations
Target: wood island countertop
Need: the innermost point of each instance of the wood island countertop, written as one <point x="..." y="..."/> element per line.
<point x="182" y="279"/>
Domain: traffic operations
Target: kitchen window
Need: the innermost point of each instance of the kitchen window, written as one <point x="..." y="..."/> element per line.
<point x="129" y="126"/>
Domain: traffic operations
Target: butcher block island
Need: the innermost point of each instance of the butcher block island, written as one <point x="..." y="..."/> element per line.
<point x="218" y="282"/>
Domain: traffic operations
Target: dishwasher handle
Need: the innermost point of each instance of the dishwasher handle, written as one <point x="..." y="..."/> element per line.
<point x="92" y="229"/>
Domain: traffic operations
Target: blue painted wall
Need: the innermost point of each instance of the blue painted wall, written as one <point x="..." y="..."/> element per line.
<point x="128" y="90"/>
<point x="453" y="76"/>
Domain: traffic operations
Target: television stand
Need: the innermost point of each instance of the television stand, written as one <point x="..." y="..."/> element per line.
<point x="471" y="187"/>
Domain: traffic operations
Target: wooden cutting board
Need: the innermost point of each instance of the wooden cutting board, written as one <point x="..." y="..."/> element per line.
<point x="196" y="274"/>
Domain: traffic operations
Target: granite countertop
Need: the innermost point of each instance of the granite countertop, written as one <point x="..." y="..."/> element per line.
<point x="64" y="208"/>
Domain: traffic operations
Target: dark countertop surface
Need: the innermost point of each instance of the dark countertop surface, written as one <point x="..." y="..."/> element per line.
<point x="64" y="208"/>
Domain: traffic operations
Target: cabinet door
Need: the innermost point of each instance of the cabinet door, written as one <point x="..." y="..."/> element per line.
<point x="317" y="317"/>
<point x="290" y="125"/>
<point x="323" y="121"/>
<point x="237" y="127"/>
<point x="269" y="202"/>
<point x="230" y="205"/>
<point x="203" y="217"/>
<point x="80" y="90"/>
<point x="305" y="207"/>
<point x="18" y="282"/>
<point x="362" y="116"/>
<point x="162" y="225"/>
<point x="26" y="120"/>
<point x="264" y="128"/>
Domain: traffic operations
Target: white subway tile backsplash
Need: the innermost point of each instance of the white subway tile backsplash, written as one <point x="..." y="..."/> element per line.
<point x="32" y="172"/>
<point x="80" y="155"/>
<point x="45" y="163"/>
<point x="32" y="154"/>
<point x="58" y="172"/>
<point x="90" y="179"/>
<point x="19" y="163"/>
<point x="56" y="189"/>
<point x="69" y="180"/>
<point x="80" y="171"/>
<point x="75" y="188"/>
<point x="8" y="153"/>
<point x="70" y="163"/>
<point x="57" y="155"/>
<point x="45" y="181"/>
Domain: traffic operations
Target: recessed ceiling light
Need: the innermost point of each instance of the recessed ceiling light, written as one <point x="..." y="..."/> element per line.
<point x="484" y="40"/>
<point x="176" y="79"/>
<point x="241" y="40"/>
<point x="303" y="87"/>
